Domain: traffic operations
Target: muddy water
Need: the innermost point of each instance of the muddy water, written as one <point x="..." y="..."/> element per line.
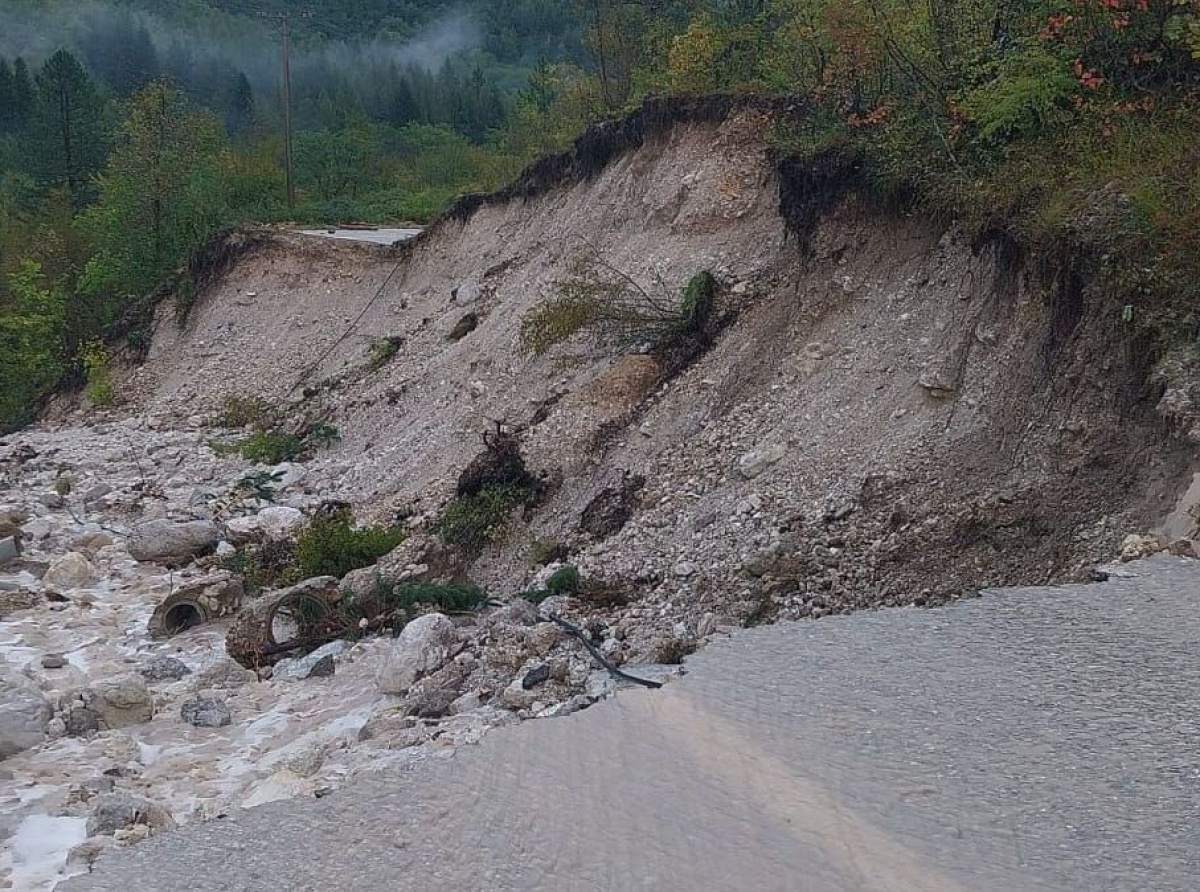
<point x="287" y="738"/>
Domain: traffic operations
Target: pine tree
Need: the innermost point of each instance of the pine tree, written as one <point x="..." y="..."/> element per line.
<point x="402" y="106"/>
<point x="67" y="139"/>
<point x="240" y="104"/>
<point x="120" y="51"/>
<point x="7" y="97"/>
<point x="24" y="94"/>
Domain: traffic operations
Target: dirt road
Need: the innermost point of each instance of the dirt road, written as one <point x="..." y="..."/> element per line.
<point x="1032" y="739"/>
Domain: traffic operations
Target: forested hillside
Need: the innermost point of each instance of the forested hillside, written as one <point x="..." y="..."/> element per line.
<point x="131" y="131"/>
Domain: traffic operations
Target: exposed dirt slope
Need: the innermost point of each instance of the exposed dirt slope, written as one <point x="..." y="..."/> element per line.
<point x="941" y="420"/>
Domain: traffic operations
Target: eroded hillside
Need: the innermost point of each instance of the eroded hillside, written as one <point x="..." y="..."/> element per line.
<point x="895" y="415"/>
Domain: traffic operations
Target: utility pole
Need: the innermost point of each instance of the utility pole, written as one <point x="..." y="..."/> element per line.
<point x="287" y="112"/>
<point x="284" y="18"/>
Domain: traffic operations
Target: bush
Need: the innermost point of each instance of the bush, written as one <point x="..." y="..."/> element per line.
<point x="331" y="546"/>
<point x="470" y="523"/>
<point x="322" y="435"/>
<point x="399" y="603"/>
<point x="382" y="351"/>
<point x="97" y="366"/>
<point x="537" y="595"/>
<point x="246" y="411"/>
<point x="266" y="566"/>
<point x="266" y="447"/>
<point x="271" y="446"/>
<point x="564" y="581"/>
<point x="449" y="598"/>
<point x="546" y="551"/>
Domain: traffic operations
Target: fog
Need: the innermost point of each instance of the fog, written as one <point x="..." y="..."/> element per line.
<point x="35" y="30"/>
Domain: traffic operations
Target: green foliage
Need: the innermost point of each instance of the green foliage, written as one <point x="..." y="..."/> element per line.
<point x="448" y="597"/>
<point x="564" y="581"/>
<point x="101" y="390"/>
<point x="332" y="546"/>
<point x="383" y="351"/>
<point x="32" y="332"/>
<point x="546" y="551"/>
<point x="66" y="140"/>
<point x="270" y="447"/>
<point x="537" y="595"/>
<point x="270" y="443"/>
<point x="259" y="484"/>
<point x="1029" y="91"/>
<point x="265" y="566"/>
<point x="322" y="435"/>
<point x="162" y="195"/>
<point x="63" y="484"/>
<point x="246" y="411"/>
<point x="470" y="523"/>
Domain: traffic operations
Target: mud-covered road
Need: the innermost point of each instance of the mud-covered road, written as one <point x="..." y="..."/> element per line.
<point x="1030" y="739"/>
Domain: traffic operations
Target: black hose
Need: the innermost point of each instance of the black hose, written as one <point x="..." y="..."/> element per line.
<point x="577" y="632"/>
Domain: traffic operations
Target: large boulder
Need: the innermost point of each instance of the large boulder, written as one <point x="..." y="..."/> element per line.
<point x="758" y="459"/>
<point x="10" y="548"/>
<point x="72" y="570"/>
<point x="122" y="701"/>
<point x="205" y="712"/>
<point x="116" y="811"/>
<point x="317" y="664"/>
<point x="423" y="647"/>
<point x="171" y="544"/>
<point x="24" y="715"/>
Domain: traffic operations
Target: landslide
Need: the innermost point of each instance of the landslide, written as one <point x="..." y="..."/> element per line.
<point x="896" y="414"/>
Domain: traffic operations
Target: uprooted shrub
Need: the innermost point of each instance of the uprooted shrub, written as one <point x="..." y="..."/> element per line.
<point x="332" y="546"/>
<point x="471" y="523"/>
<point x="500" y="464"/>
<point x="615" y="311"/>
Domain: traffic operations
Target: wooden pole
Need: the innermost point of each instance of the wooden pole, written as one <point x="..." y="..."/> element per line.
<point x="287" y="114"/>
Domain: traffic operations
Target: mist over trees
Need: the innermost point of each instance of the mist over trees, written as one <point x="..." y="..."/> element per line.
<point x="131" y="130"/>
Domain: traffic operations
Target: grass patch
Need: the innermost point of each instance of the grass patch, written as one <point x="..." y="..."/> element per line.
<point x="396" y="604"/>
<point x="272" y="446"/>
<point x="382" y="351"/>
<point x="471" y="523"/>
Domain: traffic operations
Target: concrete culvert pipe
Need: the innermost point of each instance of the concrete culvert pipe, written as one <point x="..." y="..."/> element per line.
<point x="177" y="614"/>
